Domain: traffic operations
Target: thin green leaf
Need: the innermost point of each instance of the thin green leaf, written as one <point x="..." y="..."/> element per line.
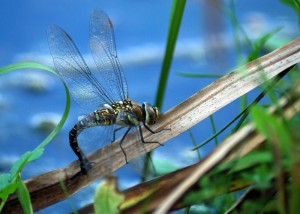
<point x="33" y="65"/>
<point x="261" y="176"/>
<point x="108" y="198"/>
<point x="260" y="43"/>
<point x="272" y="128"/>
<point x="5" y="178"/>
<point x="25" y="65"/>
<point x="35" y="154"/>
<point x="248" y="161"/>
<point x="69" y="199"/>
<point x="194" y="143"/>
<point x="25" y="159"/>
<point x="294" y="4"/>
<point x="24" y="197"/>
<point x="19" y="164"/>
<point x="213" y="126"/>
<point x="238" y="32"/>
<point x="175" y="21"/>
<point x="6" y="187"/>
<point x="9" y="182"/>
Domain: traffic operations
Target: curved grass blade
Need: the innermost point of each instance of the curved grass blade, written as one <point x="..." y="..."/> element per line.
<point x="8" y="186"/>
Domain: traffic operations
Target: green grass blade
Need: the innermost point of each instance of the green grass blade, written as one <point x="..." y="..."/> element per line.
<point x="24" y="198"/>
<point x="194" y="143"/>
<point x="214" y="129"/>
<point x="175" y="21"/>
<point x="295" y="5"/>
<point x="10" y="185"/>
<point x="33" y="65"/>
<point x="176" y="16"/>
<point x="25" y="65"/>
<point x="260" y="43"/>
<point x="69" y="198"/>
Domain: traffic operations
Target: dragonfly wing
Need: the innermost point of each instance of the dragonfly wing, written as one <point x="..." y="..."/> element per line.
<point x="84" y="87"/>
<point x="103" y="48"/>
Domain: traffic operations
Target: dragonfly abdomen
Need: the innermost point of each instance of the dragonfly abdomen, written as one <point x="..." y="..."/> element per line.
<point x="103" y="117"/>
<point x="75" y="131"/>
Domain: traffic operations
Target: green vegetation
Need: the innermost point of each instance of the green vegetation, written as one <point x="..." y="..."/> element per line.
<point x="12" y="182"/>
<point x="271" y="174"/>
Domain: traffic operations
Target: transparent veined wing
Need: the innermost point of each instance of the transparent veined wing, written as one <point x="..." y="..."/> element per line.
<point x="103" y="48"/>
<point x="83" y="86"/>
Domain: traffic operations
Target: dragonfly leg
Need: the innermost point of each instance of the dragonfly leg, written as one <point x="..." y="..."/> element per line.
<point x="127" y="131"/>
<point x="153" y="132"/>
<point x="115" y="131"/>
<point x="84" y="163"/>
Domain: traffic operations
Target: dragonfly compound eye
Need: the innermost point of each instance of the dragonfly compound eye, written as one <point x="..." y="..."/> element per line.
<point x="150" y="113"/>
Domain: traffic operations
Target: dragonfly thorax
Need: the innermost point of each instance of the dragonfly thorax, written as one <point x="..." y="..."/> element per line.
<point x="129" y="113"/>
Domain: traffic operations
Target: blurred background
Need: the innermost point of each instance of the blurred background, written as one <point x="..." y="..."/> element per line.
<point x="31" y="101"/>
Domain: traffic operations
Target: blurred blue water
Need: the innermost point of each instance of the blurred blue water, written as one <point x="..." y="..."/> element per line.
<point x="140" y="30"/>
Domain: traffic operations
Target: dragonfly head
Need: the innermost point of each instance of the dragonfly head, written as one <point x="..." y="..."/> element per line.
<point x="150" y="113"/>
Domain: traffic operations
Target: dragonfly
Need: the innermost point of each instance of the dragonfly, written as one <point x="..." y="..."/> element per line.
<point x="104" y="89"/>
